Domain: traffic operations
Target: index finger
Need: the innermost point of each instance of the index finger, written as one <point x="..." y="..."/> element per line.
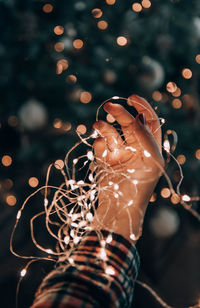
<point x="142" y="106"/>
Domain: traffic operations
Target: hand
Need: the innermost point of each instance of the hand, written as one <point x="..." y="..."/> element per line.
<point x="133" y="166"/>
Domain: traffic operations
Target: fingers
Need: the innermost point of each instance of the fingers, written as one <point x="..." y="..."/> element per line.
<point x="142" y="106"/>
<point x="124" y="118"/>
<point x="147" y="142"/>
<point x="111" y="135"/>
<point x="100" y="147"/>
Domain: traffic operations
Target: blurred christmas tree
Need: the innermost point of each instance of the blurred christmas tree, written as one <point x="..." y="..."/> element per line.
<point x="61" y="59"/>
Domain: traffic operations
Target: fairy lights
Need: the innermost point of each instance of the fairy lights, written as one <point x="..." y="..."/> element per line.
<point x="146" y="153"/>
<point x="146" y="4"/>
<point x="71" y="79"/>
<point x="59" y="47"/>
<point x="171" y="87"/>
<point x="137" y="7"/>
<point x="78" y="44"/>
<point x="197" y="154"/>
<point x="197" y="58"/>
<point x="110" y="2"/>
<point x="176" y="103"/>
<point x="186" y="198"/>
<point x="81" y="129"/>
<point x="187" y="73"/>
<point x="58" y="30"/>
<point x="62" y="65"/>
<point x="157" y="96"/>
<point x="23" y="272"/>
<point x="97" y="13"/>
<point x="85" y="97"/>
<point x="165" y="192"/>
<point x="181" y="159"/>
<point x="47" y="8"/>
<point x="59" y="164"/>
<point x="110" y="270"/>
<point x="11" y="200"/>
<point x="72" y="205"/>
<point x="33" y="182"/>
<point x="102" y="25"/>
<point x="6" y="160"/>
<point x="122" y="40"/>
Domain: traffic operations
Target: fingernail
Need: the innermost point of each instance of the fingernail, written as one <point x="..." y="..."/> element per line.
<point x="107" y="105"/>
<point x="142" y="119"/>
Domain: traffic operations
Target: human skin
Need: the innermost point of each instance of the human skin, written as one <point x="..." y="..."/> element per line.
<point x="139" y="153"/>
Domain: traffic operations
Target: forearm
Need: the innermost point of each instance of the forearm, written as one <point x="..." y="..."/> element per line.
<point x="88" y="281"/>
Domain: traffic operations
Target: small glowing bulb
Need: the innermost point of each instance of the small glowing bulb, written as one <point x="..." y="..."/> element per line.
<point x="110" y="183"/>
<point x="109" y="239"/>
<point x="116" y="195"/>
<point x="130" y="202"/>
<point x="135" y="182"/>
<point x="67" y="239"/>
<point x="166" y="145"/>
<point x="131" y="170"/>
<point x="116" y="186"/>
<point x="162" y="121"/>
<point x="46" y="202"/>
<point x="103" y="254"/>
<point x="90" y="155"/>
<point x="80" y="182"/>
<point x="75" y="161"/>
<point x="131" y="149"/>
<point x="146" y="153"/>
<point x="19" y="215"/>
<point x="50" y="251"/>
<point x="89" y="216"/>
<point x="71" y="261"/>
<point x="90" y="177"/>
<point x="23" y="272"/>
<point x="105" y="153"/>
<point x="132" y="236"/>
<point x="115" y="97"/>
<point x="76" y="240"/>
<point x="110" y="270"/>
<point x="186" y="198"/>
<point x="95" y="134"/>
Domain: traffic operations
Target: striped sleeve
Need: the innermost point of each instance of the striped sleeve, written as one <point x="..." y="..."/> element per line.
<point x="90" y="281"/>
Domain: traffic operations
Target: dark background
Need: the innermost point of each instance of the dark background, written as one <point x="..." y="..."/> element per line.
<point x="42" y="105"/>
